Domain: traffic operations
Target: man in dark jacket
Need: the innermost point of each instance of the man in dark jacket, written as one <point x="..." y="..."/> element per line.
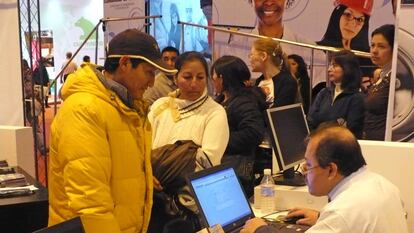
<point x="41" y="78"/>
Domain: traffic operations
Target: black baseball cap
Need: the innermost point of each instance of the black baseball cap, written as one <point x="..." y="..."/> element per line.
<point x="136" y="44"/>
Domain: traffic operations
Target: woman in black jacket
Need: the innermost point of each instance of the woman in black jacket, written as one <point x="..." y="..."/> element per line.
<point x="280" y="87"/>
<point x="342" y="102"/>
<point x="244" y="107"/>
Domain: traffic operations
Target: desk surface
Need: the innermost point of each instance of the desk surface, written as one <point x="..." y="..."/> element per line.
<point x="40" y="195"/>
<point x="25" y="213"/>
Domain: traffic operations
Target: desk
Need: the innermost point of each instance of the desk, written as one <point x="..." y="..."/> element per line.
<point x="288" y="197"/>
<point x="26" y="213"/>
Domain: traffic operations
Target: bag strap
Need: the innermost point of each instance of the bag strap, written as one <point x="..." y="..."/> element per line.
<point x="208" y="159"/>
<point x="200" y="164"/>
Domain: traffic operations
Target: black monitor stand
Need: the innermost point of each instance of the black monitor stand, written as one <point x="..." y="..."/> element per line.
<point x="290" y="178"/>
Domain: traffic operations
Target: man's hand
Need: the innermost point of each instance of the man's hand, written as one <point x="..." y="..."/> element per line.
<point x="157" y="184"/>
<point x="309" y="216"/>
<point x="252" y="225"/>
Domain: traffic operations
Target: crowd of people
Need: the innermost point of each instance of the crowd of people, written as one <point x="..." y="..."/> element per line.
<point x="144" y="99"/>
<point x="114" y="117"/>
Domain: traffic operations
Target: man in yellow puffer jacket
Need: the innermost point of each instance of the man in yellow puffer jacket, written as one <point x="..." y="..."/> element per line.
<point x="100" y="163"/>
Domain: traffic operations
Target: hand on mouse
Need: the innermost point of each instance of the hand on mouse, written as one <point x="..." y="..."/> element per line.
<point x="306" y="216"/>
<point x="252" y="225"/>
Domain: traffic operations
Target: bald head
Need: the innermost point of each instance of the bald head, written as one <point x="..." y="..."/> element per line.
<point x="336" y="144"/>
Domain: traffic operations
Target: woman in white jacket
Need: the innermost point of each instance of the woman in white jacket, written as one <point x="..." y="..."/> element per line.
<point x="188" y="113"/>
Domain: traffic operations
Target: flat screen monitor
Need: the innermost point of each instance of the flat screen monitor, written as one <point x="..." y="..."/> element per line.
<point x="288" y="130"/>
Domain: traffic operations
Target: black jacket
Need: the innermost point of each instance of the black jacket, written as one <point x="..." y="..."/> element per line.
<point x="246" y="123"/>
<point x="285" y="88"/>
<point x="41" y="78"/>
<point x="347" y="109"/>
<point x="376" y="104"/>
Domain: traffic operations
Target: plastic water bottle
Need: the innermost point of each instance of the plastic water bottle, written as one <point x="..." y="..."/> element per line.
<point x="267" y="193"/>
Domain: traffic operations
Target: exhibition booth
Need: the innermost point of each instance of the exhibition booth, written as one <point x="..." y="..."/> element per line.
<point x="68" y="24"/>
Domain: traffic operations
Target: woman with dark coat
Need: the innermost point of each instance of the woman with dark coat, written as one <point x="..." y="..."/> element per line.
<point x="342" y="102"/>
<point x="244" y="107"/>
<point x="299" y="70"/>
<point x="376" y="101"/>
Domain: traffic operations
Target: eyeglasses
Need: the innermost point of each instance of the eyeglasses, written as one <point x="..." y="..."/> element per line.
<point x="305" y="169"/>
<point x="349" y="17"/>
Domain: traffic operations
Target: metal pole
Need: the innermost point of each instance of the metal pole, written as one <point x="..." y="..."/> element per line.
<point x="182" y="38"/>
<point x="312" y="73"/>
<point x="21" y="65"/>
<point x="153" y="20"/>
<point x="317" y="47"/>
<point x="34" y="122"/>
<point x="96" y="46"/>
<point x="213" y="46"/>
<point x="44" y="152"/>
<point x="131" y="18"/>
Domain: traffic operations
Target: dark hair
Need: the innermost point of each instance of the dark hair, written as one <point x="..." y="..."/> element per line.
<point x="233" y="71"/>
<point x="303" y="79"/>
<point x="338" y="145"/>
<point x="112" y="64"/>
<point x="333" y="36"/>
<point x="302" y="67"/>
<point x="174" y="9"/>
<point x="387" y="31"/>
<point x="68" y="55"/>
<point x="86" y="58"/>
<point x="25" y="64"/>
<point x="351" y="78"/>
<point x="170" y="49"/>
<point x="191" y="56"/>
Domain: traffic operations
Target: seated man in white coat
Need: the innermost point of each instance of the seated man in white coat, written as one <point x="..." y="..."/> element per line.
<point x="360" y="201"/>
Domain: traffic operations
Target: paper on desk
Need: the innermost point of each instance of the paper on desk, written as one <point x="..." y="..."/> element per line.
<point x="31" y="187"/>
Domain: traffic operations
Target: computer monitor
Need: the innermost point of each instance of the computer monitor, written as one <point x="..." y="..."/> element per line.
<point x="288" y="130"/>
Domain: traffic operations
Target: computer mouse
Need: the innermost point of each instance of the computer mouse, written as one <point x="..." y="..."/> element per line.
<point x="293" y="220"/>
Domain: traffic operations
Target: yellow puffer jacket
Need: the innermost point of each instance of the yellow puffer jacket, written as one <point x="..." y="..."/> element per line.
<point x="100" y="167"/>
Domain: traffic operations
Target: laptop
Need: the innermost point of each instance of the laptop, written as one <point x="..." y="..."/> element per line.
<point x="221" y="200"/>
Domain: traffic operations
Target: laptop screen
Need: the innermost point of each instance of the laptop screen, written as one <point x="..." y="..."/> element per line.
<point x="221" y="197"/>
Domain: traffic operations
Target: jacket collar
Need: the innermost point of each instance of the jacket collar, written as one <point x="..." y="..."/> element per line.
<point x="119" y="89"/>
<point x="332" y="90"/>
<point x="140" y="106"/>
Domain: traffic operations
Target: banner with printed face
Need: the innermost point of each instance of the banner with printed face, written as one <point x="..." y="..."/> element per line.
<point x="336" y="23"/>
<point x="123" y="9"/>
<point x="302" y="21"/>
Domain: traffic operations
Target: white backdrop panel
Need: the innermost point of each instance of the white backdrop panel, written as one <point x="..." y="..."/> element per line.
<point x="11" y="106"/>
